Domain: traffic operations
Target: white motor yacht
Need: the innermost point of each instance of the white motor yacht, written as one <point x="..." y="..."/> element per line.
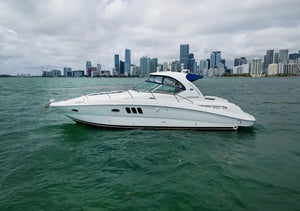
<point x="166" y="100"/>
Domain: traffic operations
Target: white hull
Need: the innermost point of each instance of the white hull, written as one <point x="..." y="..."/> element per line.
<point x="152" y="117"/>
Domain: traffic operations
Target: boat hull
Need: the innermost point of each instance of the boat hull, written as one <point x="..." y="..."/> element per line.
<point x="155" y="117"/>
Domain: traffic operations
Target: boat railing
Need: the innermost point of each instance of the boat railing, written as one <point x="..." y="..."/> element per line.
<point x="183" y="98"/>
<point x="104" y="93"/>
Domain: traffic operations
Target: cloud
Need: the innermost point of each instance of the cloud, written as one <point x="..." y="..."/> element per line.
<point x="70" y="32"/>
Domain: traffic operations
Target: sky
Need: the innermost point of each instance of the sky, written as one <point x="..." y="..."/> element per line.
<point x="41" y="35"/>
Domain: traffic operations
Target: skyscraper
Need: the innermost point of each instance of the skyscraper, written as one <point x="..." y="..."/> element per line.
<point x="98" y="70"/>
<point x="184" y="56"/>
<point x="218" y="57"/>
<point x="175" y="67"/>
<point x="269" y="59"/>
<point x="256" y="67"/>
<point x="191" y="63"/>
<point x="117" y="63"/>
<point x="67" y="71"/>
<point x="276" y="58"/>
<point x="240" y="61"/>
<point x="153" y="65"/>
<point x="215" y="59"/>
<point x="127" y="62"/>
<point x="212" y="60"/>
<point x="122" y="67"/>
<point x="283" y="56"/>
<point x="87" y="66"/>
<point x="144" y="66"/>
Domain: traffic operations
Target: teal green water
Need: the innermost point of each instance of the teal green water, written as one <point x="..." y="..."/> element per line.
<point x="47" y="162"/>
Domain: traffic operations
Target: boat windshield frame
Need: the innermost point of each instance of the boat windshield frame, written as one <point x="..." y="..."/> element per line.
<point x="160" y="84"/>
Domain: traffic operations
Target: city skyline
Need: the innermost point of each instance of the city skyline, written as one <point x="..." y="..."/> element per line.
<point x="58" y="34"/>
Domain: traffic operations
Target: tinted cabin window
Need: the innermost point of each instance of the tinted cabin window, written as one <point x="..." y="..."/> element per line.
<point x="128" y="110"/>
<point x="133" y="110"/>
<point x="140" y="110"/>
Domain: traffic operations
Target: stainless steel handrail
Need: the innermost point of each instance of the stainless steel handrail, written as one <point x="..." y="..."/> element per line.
<point x="185" y="99"/>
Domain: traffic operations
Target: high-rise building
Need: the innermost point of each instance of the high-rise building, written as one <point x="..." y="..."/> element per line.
<point x="144" y="66"/>
<point x="117" y="63"/>
<point x="208" y="63"/>
<point x="153" y="65"/>
<point x="283" y="56"/>
<point x="256" y="67"/>
<point x="203" y="65"/>
<point x="215" y="59"/>
<point x="241" y="69"/>
<point x="272" y="69"/>
<point x="294" y="56"/>
<point x="122" y="68"/>
<point x="240" y="61"/>
<point x="55" y="73"/>
<point x="127" y="62"/>
<point x="184" y="56"/>
<point x="165" y="66"/>
<point x="191" y="63"/>
<point x="78" y="73"/>
<point x="212" y="60"/>
<point x="91" y="71"/>
<point x="276" y="58"/>
<point x="175" y="66"/>
<point x="236" y="62"/>
<point x="88" y="65"/>
<point x="269" y="59"/>
<point x="223" y="61"/>
<point x="218" y="57"/>
<point x="98" y="70"/>
<point x="67" y="71"/>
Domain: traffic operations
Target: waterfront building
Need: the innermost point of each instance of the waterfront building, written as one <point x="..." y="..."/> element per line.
<point x="215" y="59"/>
<point x="281" y="69"/>
<point x="153" y="65"/>
<point x="208" y="63"/>
<point x="78" y="73"/>
<point x="294" y="56"/>
<point x="87" y="66"/>
<point x="223" y="61"/>
<point x="212" y="60"/>
<point x="55" y="73"/>
<point x="127" y="62"/>
<point x="134" y="70"/>
<point x="276" y="58"/>
<point x="106" y="73"/>
<point x="203" y="65"/>
<point x="218" y="57"/>
<point x="256" y="67"/>
<point x="99" y="70"/>
<point x="272" y="69"/>
<point x="67" y="71"/>
<point x="165" y="66"/>
<point x="240" y="61"/>
<point x="283" y="56"/>
<point x="175" y="66"/>
<point x="293" y="69"/>
<point x="184" y="56"/>
<point x="241" y="69"/>
<point x="90" y="70"/>
<point x="117" y="63"/>
<point x="96" y="73"/>
<point x="144" y="66"/>
<point x="159" y="68"/>
<point x="269" y="59"/>
<point x="47" y="74"/>
<point x="122" y="68"/>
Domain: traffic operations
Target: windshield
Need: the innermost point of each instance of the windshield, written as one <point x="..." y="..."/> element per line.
<point x="160" y="84"/>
